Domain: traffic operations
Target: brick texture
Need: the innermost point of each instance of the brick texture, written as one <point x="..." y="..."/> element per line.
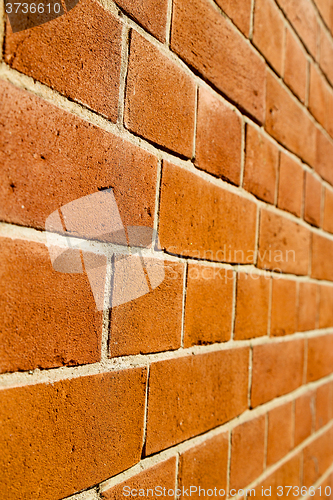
<point x="152" y="15"/>
<point x="239" y="11"/>
<point x="295" y="66"/>
<point x="322" y="265"/>
<point x="312" y="204"/>
<point x="304" y="417"/>
<point x="307" y="306"/>
<point x="320" y="357"/>
<point x="279" y="433"/>
<point x="291" y="180"/>
<point x="284" y="307"/>
<point x="328" y="211"/>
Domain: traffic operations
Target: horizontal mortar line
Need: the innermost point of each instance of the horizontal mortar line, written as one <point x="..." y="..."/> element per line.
<point x="52" y="375"/>
<point x="90" y="493"/>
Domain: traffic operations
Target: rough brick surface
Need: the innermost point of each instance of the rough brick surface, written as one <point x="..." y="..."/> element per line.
<point x="328" y="211"/>
<point x="312" y="203"/>
<point x="295" y="65"/>
<point x="239" y="11"/>
<point x="325" y="306"/>
<point x="307" y="306"/>
<point x="284" y="307"/>
<point x="291" y="185"/>
<point x="326" y="54"/>
<point x="151" y="14"/>
<point x="320" y="357"/>
<point x="319" y="95"/>
<point x="323" y="165"/>
<point x="322" y="264"/>
<point x="279" y="432"/>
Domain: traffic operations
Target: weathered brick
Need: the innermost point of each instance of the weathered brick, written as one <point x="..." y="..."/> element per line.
<point x="261" y="165"/>
<point x="160" y="98"/>
<point x="66" y="158"/>
<point x="213" y="385"/>
<point x="295" y="65"/>
<point x="133" y="325"/>
<point x="78" y="54"/>
<point x="328" y="211"/>
<point x="304" y="417"/>
<point x="284" y="307"/>
<point x="318" y="96"/>
<point x="48" y="318"/>
<point x="163" y="475"/>
<point x="326" y="306"/>
<point x="252" y="305"/>
<point x="323" y="165"/>
<point x="288" y="474"/>
<point x="283" y="244"/>
<point x="320" y="357"/>
<point x="204" y="39"/>
<point x="239" y="11"/>
<point x="277" y="370"/>
<point x="326" y="54"/>
<point x="151" y="14"/>
<point x="322" y="263"/>
<point x="288" y="122"/>
<point x="209" y="304"/>
<point x="318" y="456"/>
<point x="205" y="465"/>
<point x="323" y="405"/>
<point x="64" y="437"/>
<point x="268" y="32"/>
<point x="280" y="432"/>
<point x="312" y="205"/>
<point x="247" y="453"/>
<point x="307" y="306"/>
<point x="202" y="220"/>
<point x="291" y="180"/>
<point x="218" y="138"/>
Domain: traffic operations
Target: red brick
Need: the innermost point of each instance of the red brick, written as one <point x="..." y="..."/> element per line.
<point x="284" y="307"/>
<point x="322" y="263"/>
<point x="151" y="14"/>
<point x="312" y="205"/>
<point x="78" y="54"/>
<point x="277" y="370"/>
<point x="268" y="34"/>
<point x="192" y="394"/>
<point x="160" y="98"/>
<point x="307" y="307"/>
<point x="324" y="157"/>
<point x="326" y="54"/>
<point x="280" y="433"/>
<point x="205" y="465"/>
<point x="209" y="305"/>
<point x="328" y="211"/>
<point x="202" y="220"/>
<point x="251" y="306"/>
<point x="283" y="244"/>
<point x="302" y="16"/>
<point x="326" y="307"/>
<point x="219" y="138"/>
<point x="239" y="11"/>
<point x="320" y="357"/>
<point x="48" y="319"/>
<point x="66" y="158"/>
<point x="133" y="325"/>
<point x="288" y="122"/>
<point x="291" y="180"/>
<point x="288" y="474"/>
<point x="318" y="456"/>
<point x="163" y="475"/>
<point x="304" y="417"/>
<point x="295" y="66"/>
<point x="247" y="453"/>
<point x="64" y="437"/>
<point x="261" y="164"/>
<point x="205" y="40"/>
<point x="323" y="405"/>
<point x="318" y="97"/>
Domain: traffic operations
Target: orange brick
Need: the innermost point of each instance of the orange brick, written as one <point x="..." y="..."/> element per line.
<point x="280" y="433"/>
<point x="322" y="264"/>
<point x="307" y="307"/>
<point x="219" y="53"/>
<point x="219" y="138"/>
<point x="325" y="8"/>
<point x="261" y="164"/>
<point x="163" y="475"/>
<point x="155" y="88"/>
<point x="202" y="220"/>
<point x="291" y="180"/>
<point x="329" y="116"/>
<point x="78" y="54"/>
<point x="247" y="453"/>
<point x="66" y="436"/>
<point x="320" y="357"/>
<point x="318" y="456"/>
<point x="48" y="319"/>
<point x="326" y="54"/>
<point x="288" y="474"/>
<point x="269" y="380"/>
<point x="268" y="34"/>
<point x="312" y="205"/>
<point x="302" y="16"/>
<point x="66" y="158"/>
<point x="325" y="490"/>
<point x="304" y="417"/>
<point x="318" y="97"/>
<point x="295" y="66"/>
<point x="288" y="122"/>
<point x="323" y="165"/>
<point x="239" y="11"/>
<point x="328" y="211"/>
<point x="209" y="304"/>
<point x="133" y="325"/>
<point x="323" y="405"/>
<point x="283" y="244"/>
<point x="326" y="307"/>
<point x="284" y="308"/>
<point x="205" y="465"/>
<point x="212" y="386"/>
<point x="251" y="306"/>
<point x="151" y="14"/>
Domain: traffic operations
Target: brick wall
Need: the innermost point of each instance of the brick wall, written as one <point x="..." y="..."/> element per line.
<point x="212" y="121"/>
